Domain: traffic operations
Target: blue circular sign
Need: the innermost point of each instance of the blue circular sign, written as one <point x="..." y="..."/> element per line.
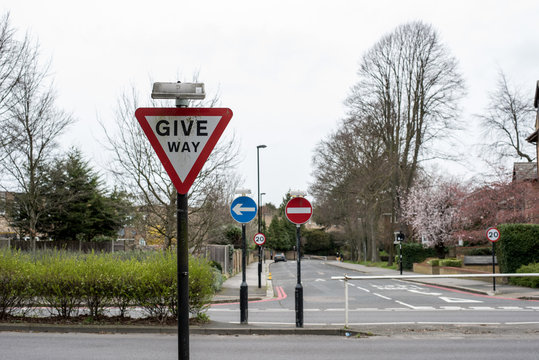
<point x="243" y="209"/>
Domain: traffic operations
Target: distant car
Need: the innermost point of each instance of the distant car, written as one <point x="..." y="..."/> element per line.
<point x="279" y="257"/>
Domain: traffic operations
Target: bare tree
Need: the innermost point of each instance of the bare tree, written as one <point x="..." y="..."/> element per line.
<point x="139" y="171"/>
<point x="408" y="90"/>
<point x="508" y="120"/>
<point x="15" y="55"/>
<point x="351" y="182"/>
<point x="405" y="99"/>
<point x="31" y="125"/>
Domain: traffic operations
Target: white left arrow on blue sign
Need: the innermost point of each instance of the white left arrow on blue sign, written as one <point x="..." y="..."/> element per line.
<point x="239" y="209"/>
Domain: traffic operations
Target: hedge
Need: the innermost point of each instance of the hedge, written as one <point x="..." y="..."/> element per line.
<point x="415" y="253"/>
<point x="65" y="282"/>
<point x="518" y="246"/>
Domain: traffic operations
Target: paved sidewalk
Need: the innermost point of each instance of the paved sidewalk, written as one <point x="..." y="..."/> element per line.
<point x="230" y="292"/>
<point x="469" y="285"/>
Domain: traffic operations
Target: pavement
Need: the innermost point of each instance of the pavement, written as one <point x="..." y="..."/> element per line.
<point x="230" y="292"/>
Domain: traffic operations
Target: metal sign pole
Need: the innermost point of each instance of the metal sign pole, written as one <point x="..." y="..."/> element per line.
<point x="299" y="287"/>
<point x="243" y="286"/>
<point x="494" y="266"/>
<point x="400" y="256"/>
<point x="182" y="249"/>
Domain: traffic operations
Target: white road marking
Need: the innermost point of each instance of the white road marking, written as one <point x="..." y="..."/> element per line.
<point x="458" y="300"/>
<point x="382" y="296"/>
<point x="424" y="293"/>
<point x="487" y="308"/>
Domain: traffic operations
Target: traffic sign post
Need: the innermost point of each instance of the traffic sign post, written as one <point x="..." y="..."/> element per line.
<point x="243" y="209"/>
<point x="183" y="139"/>
<point x="493" y="235"/>
<point x="298" y="211"/>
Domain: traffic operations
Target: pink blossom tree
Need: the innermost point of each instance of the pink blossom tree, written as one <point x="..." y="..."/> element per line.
<point x="431" y="211"/>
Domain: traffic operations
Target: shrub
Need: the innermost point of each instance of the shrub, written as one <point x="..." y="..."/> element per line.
<point x="155" y="286"/>
<point x="201" y="280"/>
<point x="15" y="282"/>
<point x="434" y="262"/>
<point x="96" y="282"/>
<point x="518" y="245"/>
<point x="451" y="262"/>
<point x="415" y="253"/>
<point x="58" y="283"/>
<point x="529" y="281"/>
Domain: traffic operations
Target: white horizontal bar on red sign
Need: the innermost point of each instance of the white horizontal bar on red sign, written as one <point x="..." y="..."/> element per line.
<point x="297" y="210"/>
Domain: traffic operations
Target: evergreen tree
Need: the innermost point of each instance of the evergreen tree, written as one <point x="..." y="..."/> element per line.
<point x="77" y="205"/>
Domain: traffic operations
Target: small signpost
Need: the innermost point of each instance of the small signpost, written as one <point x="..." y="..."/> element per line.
<point x="399" y="238"/>
<point x="493" y="235"/>
<point x="298" y="211"/>
<point x="243" y="209"/>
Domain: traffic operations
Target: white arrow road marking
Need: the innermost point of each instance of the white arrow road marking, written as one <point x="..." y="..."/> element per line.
<point x="458" y="300"/>
<point x="238" y="210"/>
<point x="298" y="210"/>
<point x="424" y="293"/>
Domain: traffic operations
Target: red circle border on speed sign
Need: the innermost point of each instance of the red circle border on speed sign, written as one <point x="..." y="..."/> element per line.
<point x="488" y="234"/>
<point x="259" y="235"/>
<point x="298" y="210"/>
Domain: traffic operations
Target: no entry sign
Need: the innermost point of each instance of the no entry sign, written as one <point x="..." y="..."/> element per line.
<point x="298" y="210"/>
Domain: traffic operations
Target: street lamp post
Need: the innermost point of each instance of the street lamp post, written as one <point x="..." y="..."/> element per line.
<point x="261" y="214"/>
<point x="258" y="147"/>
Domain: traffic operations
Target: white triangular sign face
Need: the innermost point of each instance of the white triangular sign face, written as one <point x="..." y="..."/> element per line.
<point x="183" y="138"/>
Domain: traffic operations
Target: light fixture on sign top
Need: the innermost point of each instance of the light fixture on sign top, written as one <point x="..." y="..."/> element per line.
<point x="178" y="90"/>
<point x="182" y="92"/>
<point x="242" y="192"/>
<point x="297" y="193"/>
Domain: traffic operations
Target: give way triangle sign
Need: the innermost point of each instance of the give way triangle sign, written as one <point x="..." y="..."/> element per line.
<point x="183" y="138"/>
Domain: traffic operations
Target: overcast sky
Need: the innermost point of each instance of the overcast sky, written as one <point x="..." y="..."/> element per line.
<point x="283" y="67"/>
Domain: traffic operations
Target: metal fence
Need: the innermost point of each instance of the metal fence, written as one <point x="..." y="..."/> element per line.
<point x="75" y="245"/>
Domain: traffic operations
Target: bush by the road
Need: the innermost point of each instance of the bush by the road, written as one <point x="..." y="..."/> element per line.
<point x="518" y="245"/>
<point x="63" y="282"/>
<point x="415" y="253"/>
<point x="529" y="281"/>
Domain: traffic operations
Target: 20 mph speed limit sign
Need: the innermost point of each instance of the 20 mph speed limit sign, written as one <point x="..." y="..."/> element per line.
<point x="493" y="234"/>
<point x="259" y="239"/>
